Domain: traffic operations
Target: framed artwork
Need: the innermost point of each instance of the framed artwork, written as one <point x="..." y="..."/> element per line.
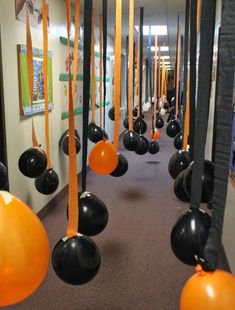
<point x="35" y="11"/>
<point x="38" y="85"/>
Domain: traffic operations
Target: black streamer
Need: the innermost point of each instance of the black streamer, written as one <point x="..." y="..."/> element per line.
<point x="150" y="72"/>
<point x="86" y="85"/>
<point x="104" y="14"/>
<point x="146" y="79"/>
<point x="127" y="72"/>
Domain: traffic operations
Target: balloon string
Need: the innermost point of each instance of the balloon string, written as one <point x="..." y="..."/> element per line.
<point x="101" y="56"/>
<point x="155" y="85"/>
<point x="117" y="71"/>
<point x="45" y="69"/>
<point x="73" y="213"/>
<point x="86" y="86"/>
<point x="75" y="62"/>
<point x="30" y="74"/>
<point x="93" y="79"/>
<point x="104" y="12"/>
<point x="131" y="64"/>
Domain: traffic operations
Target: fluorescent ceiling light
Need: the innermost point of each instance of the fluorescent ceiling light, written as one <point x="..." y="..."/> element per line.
<point x="155" y="30"/>
<point x="162" y="48"/>
<point x="167" y="63"/>
<point x="164" y="57"/>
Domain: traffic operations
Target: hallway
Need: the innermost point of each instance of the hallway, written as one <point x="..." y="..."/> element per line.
<point x="138" y="269"/>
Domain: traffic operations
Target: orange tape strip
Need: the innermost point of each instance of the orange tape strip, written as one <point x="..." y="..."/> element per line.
<point x="131" y="51"/>
<point x="73" y="207"/>
<point x="117" y="71"/>
<point x="177" y="75"/>
<point x="93" y="81"/>
<point x="187" y="119"/>
<point x="155" y="85"/>
<point x="30" y="74"/>
<point x="138" y="75"/>
<point x="75" y="62"/>
<point x="101" y="70"/>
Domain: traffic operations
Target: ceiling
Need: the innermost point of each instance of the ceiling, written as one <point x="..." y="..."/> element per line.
<point x="156" y="12"/>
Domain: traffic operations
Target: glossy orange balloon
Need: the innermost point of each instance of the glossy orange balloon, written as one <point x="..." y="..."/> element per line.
<point x="103" y="158"/>
<point x="209" y="290"/>
<point x="156" y="135"/>
<point x="24" y="250"/>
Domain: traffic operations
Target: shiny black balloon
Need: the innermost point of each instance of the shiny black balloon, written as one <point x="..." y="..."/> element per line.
<point x="48" y="182"/>
<point x="140" y="126"/>
<point x="126" y="122"/>
<point x="3" y="177"/>
<point x="131" y="140"/>
<point x="121" y="168"/>
<point x="111" y="114"/>
<point x="159" y="122"/>
<point x="65" y="133"/>
<point x="32" y="162"/>
<point x="178" y="162"/>
<point x="178" y="140"/>
<point x="207" y="181"/>
<point x="65" y="145"/>
<point x="179" y="188"/>
<point x="76" y="260"/>
<point x="189" y="235"/>
<point x="95" y="133"/>
<point x="173" y="128"/>
<point x="154" y="147"/>
<point x="135" y="111"/>
<point x="143" y="146"/>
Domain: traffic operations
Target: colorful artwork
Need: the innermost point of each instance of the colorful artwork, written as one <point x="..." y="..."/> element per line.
<point x="38" y="83"/>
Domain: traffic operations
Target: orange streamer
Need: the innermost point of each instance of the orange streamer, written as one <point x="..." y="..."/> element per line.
<point x="93" y="80"/>
<point x="177" y="75"/>
<point x="73" y="207"/>
<point x="117" y="71"/>
<point x="75" y="64"/>
<point x="187" y="119"/>
<point x="101" y="70"/>
<point x="131" y="51"/>
<point x="155" y="84"/>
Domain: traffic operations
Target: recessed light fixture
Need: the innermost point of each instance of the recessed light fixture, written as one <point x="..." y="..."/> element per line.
<point x="155" y="30"/>
<point x="162" y="48"/>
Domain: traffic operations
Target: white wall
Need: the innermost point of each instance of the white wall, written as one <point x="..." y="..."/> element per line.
<point x="19" y="130"/>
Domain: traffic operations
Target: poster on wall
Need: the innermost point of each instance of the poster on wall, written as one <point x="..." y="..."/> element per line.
<point x="79" y="86"/>
<point x="38" y="83"/>
<point x="35" y="11"/>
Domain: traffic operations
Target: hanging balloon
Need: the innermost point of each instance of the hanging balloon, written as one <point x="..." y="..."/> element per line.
<point x="131" y="140"/>
<point x="24" y="250"/>
<point x="173" y="128"/>
<point x="208" y="290"/>
<point x="178" y="162"/>
<point x="103" y="158"/>
<point x="65" y="144"/>
<point x="48" y="182"/>
<point x="135" y="111"/>
<point x="112" y="114"/>
<point x="140" y="126"/>
<point x="179" y="188"/>
<point x="154" y="147"/>
<point x="76" y="260"/>
<point x="162" y="111"/>
<point x="95" y="133"/>
<point x="3" y="177"/>
<point x="178" y="140"/>
<point x="156" y="135"/>
<point x="65" y="133"/>
<point x="121" y="168"/>
<point x="146" y="106"/>
<point x="159" y="122"/>
<point x="93" y="214"/>
<point x="207" y="181"/>
<point x="143" y="146"/>
<point x="189" y="235"/>
<point x="32" y="162"/>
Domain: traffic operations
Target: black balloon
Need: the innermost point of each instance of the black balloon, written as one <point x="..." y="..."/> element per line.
<point x="179" y="188"/>
<point x="48" y="182"/>
<point x="159" y="122"/>
<point x="95" y="133"/>
<point x="65" y="133"/>
<point x="143" y="146"/>
<point x="154" y="147"/>
<point x="121" y="168"/>
<point x="65" y="144"/>
<point x="111" y="114"/>
<point x="76" y="260"/>
<point x="3" y="177"/>
<point x="135" y="111"/>
<point x="178" y="162"/>
<point x="140" y="126"/>
<point x="178" y="141"/>
<point x="32" y="162"/>
<point x="131" y="140"/>
<point x="173" y="128"/>
<point x="126" y="122"/>
<point x="207" y="181"/>
<point x="189" y="235"/>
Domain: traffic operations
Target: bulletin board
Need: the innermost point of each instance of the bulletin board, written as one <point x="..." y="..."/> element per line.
<point x="38" y="83"/>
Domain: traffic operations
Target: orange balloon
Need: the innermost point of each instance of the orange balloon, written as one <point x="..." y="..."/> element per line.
<point x="209" y="290"/>
<point x="103" y="158"/>
<point x="24" y="250"/>
<point x="156" y="135"/>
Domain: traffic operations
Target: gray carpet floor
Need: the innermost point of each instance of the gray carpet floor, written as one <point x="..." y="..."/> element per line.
<point x="138" y="270"/>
